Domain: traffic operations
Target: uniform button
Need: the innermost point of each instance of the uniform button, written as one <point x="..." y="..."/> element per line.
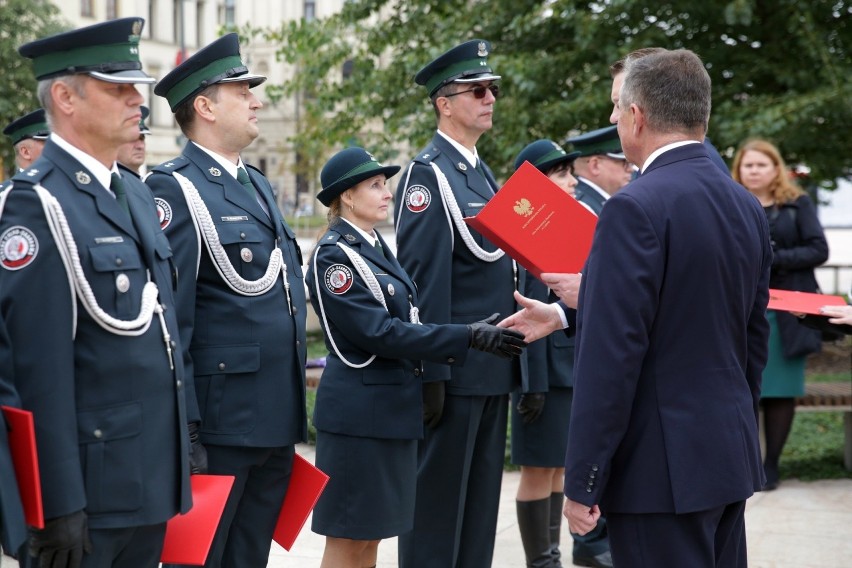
<point x="242" y="235"/>
<point x="118" y="262"/>
<point x="451" y="359"/>
<point x="98" y="433"/>
<point x="173" y="344"/>
<point x="592" y="475"/>
<point x="416" y="372"/>
<point x="595" y="467"/>
<point x="298" y="343"/>
<point x="179" y="383"/>
<point x="221" y="366"/>
<point x="588" y="489"/>
<point x="295" y="309"/>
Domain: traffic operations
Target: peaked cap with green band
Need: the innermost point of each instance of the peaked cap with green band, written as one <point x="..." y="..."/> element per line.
<point x="31" y="125"/>
<point x="465" y="63"/>
<point x="218" y="62"/>
<point x="544" y="155"/>
<point x="603" y="141"/>
<point x="108" y="51"/>
<point x="346" y="169"/>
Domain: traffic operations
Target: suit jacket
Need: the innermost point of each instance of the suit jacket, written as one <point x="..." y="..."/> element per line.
<point x="109" y="411"/>
<point x="585" y="193"/>
<point x="671" y="344"/>
<point x="454" y="285"/>
<point x="247" y="353"/>
<point x="382" y="399"/>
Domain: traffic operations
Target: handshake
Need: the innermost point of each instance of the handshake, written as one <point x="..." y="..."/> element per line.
<point x="503" y="342"/>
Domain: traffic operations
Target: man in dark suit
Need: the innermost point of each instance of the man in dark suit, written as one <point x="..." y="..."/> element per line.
<point x="462" y="278"/>
<point x="241" y="297"/>
<point x="86" y="277"/>
<point x="601" y="168"/>
<point x="663" y="434"/>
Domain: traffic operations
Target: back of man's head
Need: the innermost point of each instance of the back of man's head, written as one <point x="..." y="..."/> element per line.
<point x="672" y="88"/>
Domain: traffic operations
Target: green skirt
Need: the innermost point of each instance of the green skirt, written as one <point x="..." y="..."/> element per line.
<point x="783" y="377"/>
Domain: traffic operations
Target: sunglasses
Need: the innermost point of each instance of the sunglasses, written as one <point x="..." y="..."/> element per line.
<point x="479" y="92"/>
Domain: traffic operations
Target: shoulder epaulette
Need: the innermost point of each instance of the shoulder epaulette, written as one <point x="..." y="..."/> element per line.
<point x="34" y="175"/>
<point x="427" y="155"/>
<point x="329" y="238"/>
<point x="171" y="166"/>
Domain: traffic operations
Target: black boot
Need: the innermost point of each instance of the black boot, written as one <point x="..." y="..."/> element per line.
<point x="534" y="524"/>
<point x="556" y="500"/>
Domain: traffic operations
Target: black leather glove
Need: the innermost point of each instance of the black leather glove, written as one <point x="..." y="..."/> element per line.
<point x="485" y="336"/>
<point x="433" y="402"/>
<point x="197" y="452"/>
<point x="62" y="542"/>
<point x="530" y="406"/>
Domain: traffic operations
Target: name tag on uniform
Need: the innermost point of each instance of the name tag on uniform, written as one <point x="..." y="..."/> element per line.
<point x="476" y="205"/>
<point x="103" y="240"/>
<point x="232" y="218"/>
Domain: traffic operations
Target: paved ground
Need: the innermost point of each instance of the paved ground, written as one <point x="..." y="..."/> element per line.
<point x="800" y="525"/>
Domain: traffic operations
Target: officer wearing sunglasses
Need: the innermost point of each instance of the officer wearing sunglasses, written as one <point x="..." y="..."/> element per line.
<point x="461" y="278"/>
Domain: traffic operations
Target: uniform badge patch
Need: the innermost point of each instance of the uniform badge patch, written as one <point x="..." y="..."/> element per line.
<point x="18" y="247"/>
<point x="417" y="198"/>
<point x="338" y="279"/>
<point x="164" y="212"/>
<point x="215" y="172"/>
<point x="83" y="177"/>
<point x="246" y="254"/>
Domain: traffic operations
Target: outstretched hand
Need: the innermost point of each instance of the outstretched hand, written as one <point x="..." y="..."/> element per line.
<point x="837" y="314"/>
<point x="535" y="320"/>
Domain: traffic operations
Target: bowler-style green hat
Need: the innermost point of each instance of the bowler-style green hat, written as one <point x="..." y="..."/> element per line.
<point x="108" y="51"/>
<point x="346" y="169"/>
<point x="31" y="125"/>
<point x="603" y="141"/>
<point x="218" y="62"/>
<point x="465" y="63"/>
<point x="544" y="155"/>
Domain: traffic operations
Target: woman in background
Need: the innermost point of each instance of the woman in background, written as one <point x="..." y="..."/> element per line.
<point x="799" y="246"/>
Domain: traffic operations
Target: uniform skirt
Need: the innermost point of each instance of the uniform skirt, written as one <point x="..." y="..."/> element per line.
<point x="543" y="443"/>
<point x="783" y="377"/>
<point x="371" y="487"/>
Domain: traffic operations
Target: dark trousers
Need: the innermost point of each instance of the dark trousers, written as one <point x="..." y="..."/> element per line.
<point x="707" y="539"/>
<point x="135" y="547"/>
<point x="460" y="470"/>
<point x="261" y="477"/>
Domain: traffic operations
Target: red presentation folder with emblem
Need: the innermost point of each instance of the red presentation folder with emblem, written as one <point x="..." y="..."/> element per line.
<point x="537" y="224"/>
<point x="190" y="536"/>
<point x="306" y="485"/>
<point x="801" y="302"/>
<point x="22" y="446"/>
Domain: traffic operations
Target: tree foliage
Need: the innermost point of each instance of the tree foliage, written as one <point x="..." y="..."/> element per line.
<point x="781" y="70"/>
<point x="21" y="21"/>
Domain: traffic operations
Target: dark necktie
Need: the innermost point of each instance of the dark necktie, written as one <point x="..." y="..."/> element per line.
<point x="117" y="187"/>
<point x="379" y="247"/>
<point x="243" y="178"/>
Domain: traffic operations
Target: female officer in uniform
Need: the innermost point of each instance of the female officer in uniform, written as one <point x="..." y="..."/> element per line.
<point x="369" y="408"/>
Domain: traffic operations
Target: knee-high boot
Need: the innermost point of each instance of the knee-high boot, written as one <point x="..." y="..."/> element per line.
<point x="534" y="524"/>
<point x="556" y="500"/>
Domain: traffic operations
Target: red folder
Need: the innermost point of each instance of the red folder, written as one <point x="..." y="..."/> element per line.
<point x="802" y="302"/>
<point x="22" y="446"/>
<point x="306" y="485"/>
<point x="537" y="224"/>
<point x="189" y="536"/>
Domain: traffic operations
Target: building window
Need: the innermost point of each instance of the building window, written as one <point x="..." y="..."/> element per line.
<point x="310" y="10"/>
<point x="112" y="9"/>
<point x="199" y="24"/>
<point x="87" y="8"/>
<point x="228" y="18"/>
<point x="152" y="18"/>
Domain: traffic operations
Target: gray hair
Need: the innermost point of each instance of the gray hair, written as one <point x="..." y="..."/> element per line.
<point x="672" y="88"/>
<point x="75" y="82"/>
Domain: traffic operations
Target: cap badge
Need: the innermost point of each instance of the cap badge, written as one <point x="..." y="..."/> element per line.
<point x="122" y="283"/>
<point x="164" y="212"/>
<point x="83" y="178"/>
<point x="523" y="207"/>
<point x="338" y="279"/>
<point x="557" y="147"/>
<point x="215" y="172"/>
<point x="482" y="49"/>
<point x="461" y="166"/>
<point x="246" y="254"/>
<point x="18" y="247"/>
<point x="372" y="157"/>
<point x="136" y="29"/>
<point x="391" y="289"/>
